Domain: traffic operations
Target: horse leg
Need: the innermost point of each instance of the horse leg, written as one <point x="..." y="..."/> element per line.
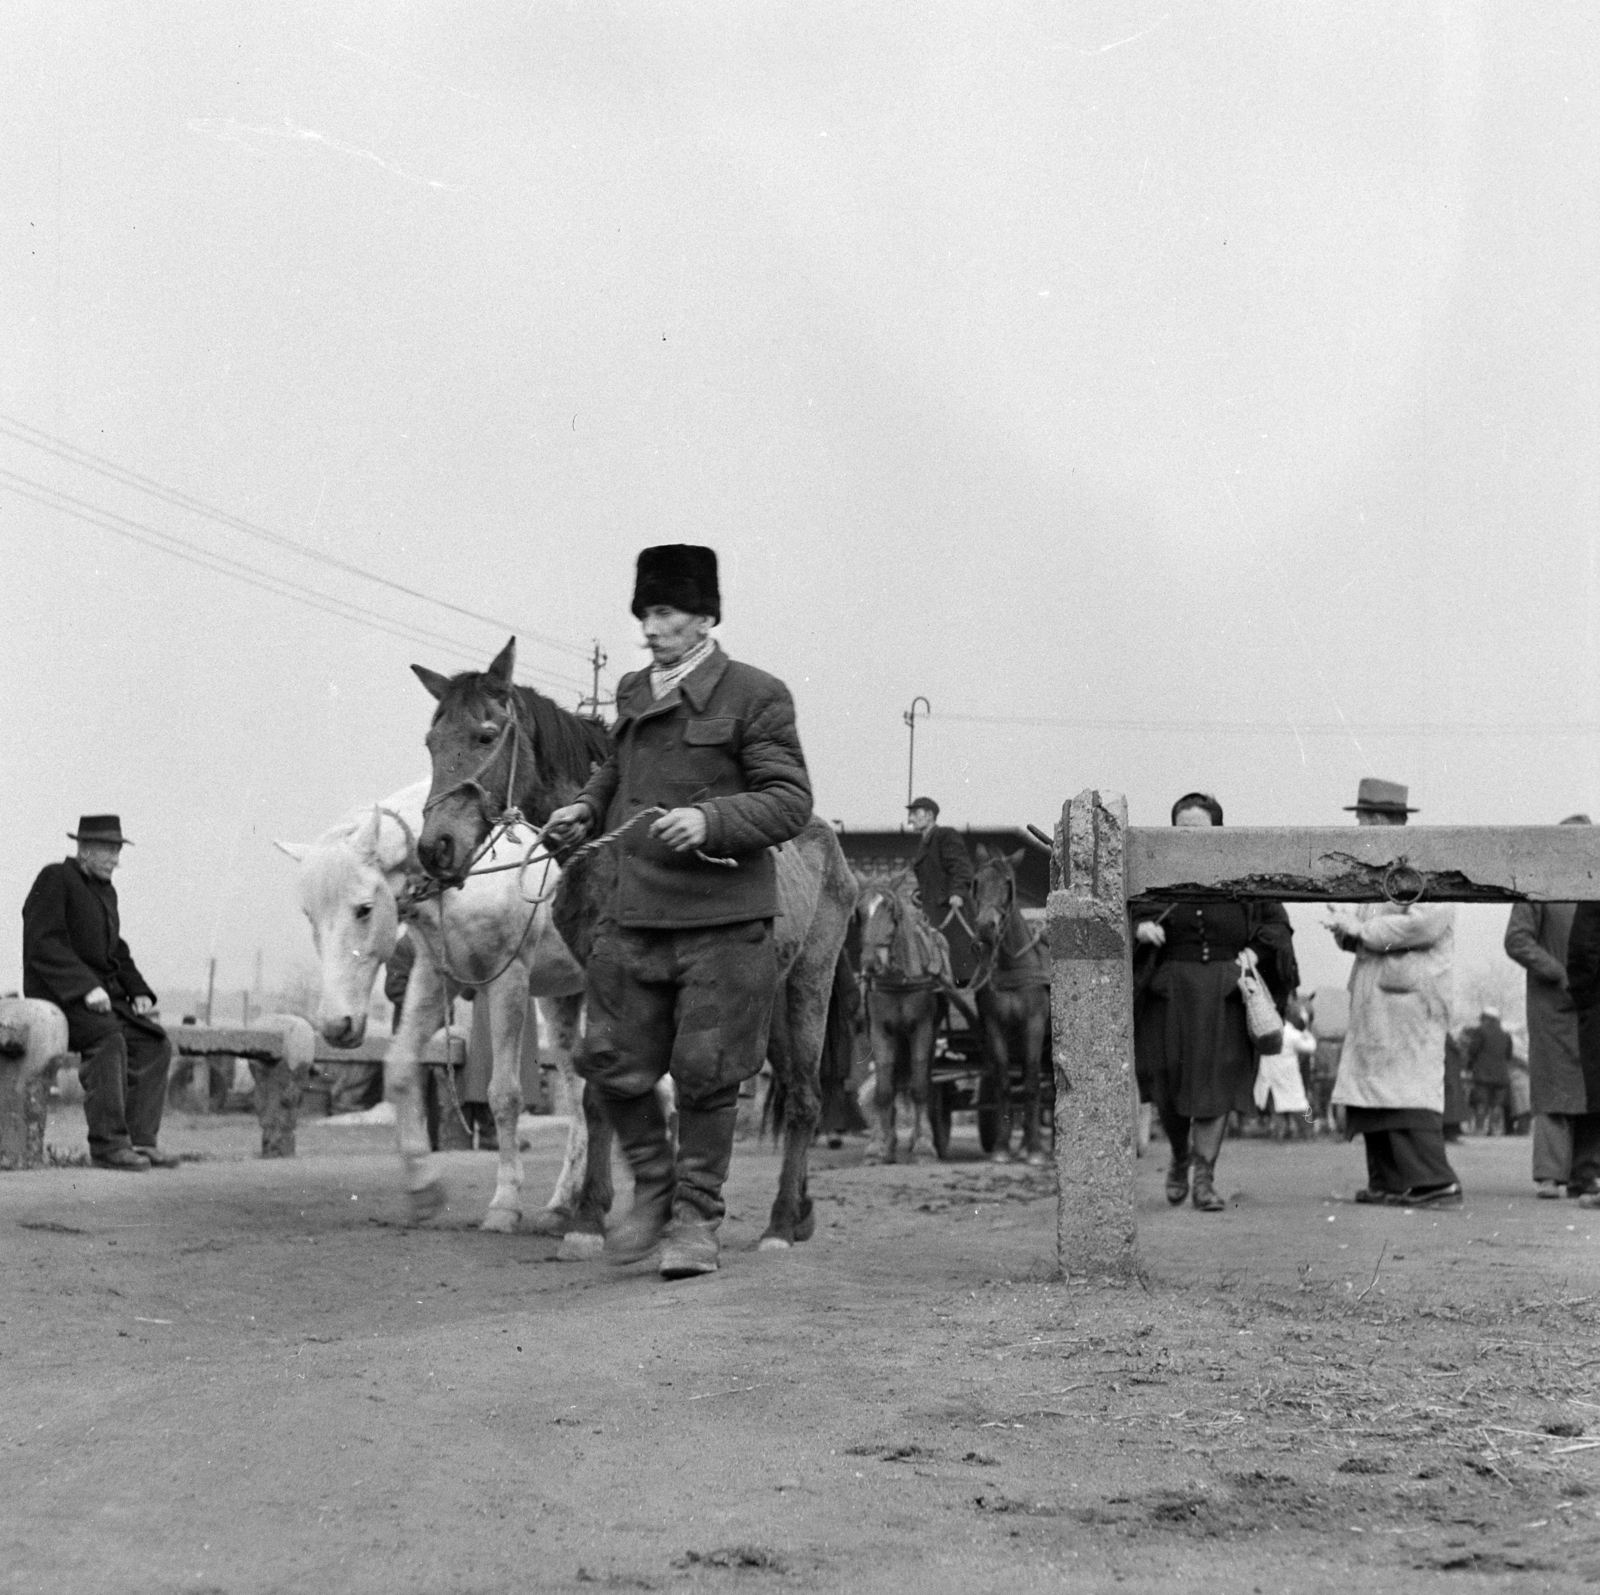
<point x="560" y="1027"/>
<point x="880" y="1146"/>
<point x="423" y="1013"/>
<point x="920" y="1059"/>
<point x="586" y="1230"/>
<point x="1033" y="1041"/>
<point x="794" y="1047"/>
<point x="508" y="1013"/>
<point x="997" y="1064"/>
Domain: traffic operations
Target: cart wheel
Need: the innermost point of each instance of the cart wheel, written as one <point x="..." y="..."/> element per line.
<point x="988" y="1115"/>
<point x="939" y="1110"/>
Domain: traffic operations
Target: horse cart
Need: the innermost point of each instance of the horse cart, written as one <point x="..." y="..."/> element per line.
<point x="960" y="1078"/>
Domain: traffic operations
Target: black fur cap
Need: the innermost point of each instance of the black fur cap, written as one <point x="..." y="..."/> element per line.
<point x="681" y="575"/>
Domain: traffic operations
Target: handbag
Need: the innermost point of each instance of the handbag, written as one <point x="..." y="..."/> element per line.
<point x="1261" y="1017"/>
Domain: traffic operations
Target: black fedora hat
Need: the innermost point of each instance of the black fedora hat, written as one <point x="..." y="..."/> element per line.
<point x="100" y="828"/>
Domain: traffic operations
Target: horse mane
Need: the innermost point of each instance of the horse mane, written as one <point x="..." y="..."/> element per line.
<point x="569" y="745"/>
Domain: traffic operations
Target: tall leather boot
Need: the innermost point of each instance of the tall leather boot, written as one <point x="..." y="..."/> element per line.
<point x="641" y="1129"/>
<point x="1205" y="1192"/>
<point x="705" y="1148"/>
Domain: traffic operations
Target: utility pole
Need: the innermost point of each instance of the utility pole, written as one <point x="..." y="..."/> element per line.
<point x="910" y="718"/>
<point x="211" y="986"/>
<point x="597" y="662"/>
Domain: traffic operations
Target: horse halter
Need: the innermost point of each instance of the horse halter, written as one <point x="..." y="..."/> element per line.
<point x="509" y="814"/>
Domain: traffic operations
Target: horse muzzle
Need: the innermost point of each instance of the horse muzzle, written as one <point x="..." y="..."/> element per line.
<point x="344" y="1030"/>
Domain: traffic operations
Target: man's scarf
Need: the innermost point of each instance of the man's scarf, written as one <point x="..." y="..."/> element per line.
<point x="663" y="681"/>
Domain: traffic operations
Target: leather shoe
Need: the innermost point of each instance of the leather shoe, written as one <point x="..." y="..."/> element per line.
<point x="158" y="1159"/>
<point x="123" y="1158"/>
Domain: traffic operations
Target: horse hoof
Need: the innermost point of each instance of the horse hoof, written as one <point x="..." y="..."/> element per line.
<point x="1038" y="1160"/>
<point x="1000" y="1155"/>
<point x="424" y="1203"/>
<point x="772" y="1243"/>
<point x="579" y="1246"/>
<point x="500" y="1221"/>
<point x="549" y="1221"/>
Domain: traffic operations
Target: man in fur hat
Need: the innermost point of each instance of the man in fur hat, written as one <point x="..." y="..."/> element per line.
<point x="73" y="955"/>
<point x="705" y="779"/>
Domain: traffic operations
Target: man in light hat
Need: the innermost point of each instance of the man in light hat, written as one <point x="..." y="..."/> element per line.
<point x="1391" y="1069"/>
<point x="705" y="779"/>
<point x="73" y="955"/>
<point x="944" y="882"/>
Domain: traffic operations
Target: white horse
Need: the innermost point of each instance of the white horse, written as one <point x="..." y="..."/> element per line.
<point x="494" y="933"/>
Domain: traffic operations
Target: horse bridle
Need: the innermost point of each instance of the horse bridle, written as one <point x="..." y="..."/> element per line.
<point x="1000" y="948"/>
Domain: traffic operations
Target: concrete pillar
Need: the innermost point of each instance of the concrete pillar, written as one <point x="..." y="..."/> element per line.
<point x="33" y="1039"/>
<point x="1091" y="999"/>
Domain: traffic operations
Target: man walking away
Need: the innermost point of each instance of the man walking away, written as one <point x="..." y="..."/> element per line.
<point x="1536" y="938"/>
<point x="1488" y="1061"/>
<point x="705" y="779"/>
<point x="73" y="955"/>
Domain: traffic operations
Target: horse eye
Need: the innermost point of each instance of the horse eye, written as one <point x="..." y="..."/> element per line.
<point x="485" y="738"/>
<point x="363" y="910"/>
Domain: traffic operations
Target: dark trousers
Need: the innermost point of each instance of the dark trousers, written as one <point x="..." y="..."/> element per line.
<point x="695" y="1004"/>
<point x="1585" y="1175"/>
<point x="1407" y="1160"/>
<point x="123" y="1063"/>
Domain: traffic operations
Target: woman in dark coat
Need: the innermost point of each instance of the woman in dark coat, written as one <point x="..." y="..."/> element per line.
<point x="1583" y="984"/>
<point x="1192" y="1050"/>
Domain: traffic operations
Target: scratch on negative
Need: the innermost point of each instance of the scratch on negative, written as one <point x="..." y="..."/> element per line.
<point x="229" y="128"/>
<point x="1133" y="38"/>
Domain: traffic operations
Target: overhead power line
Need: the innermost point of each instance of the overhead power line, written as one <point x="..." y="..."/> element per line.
<point x="1279" y="728"/>
<point x="34" y="437"/>
<point x="265" y="581"/>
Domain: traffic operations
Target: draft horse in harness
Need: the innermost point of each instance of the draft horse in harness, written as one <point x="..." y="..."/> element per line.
<point x="490" y="762"/>
<point x="905" y="964"/>
<point x="1013" y="991"/>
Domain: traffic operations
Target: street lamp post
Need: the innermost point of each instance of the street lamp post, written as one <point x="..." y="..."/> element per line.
<point x="910" y="718"/>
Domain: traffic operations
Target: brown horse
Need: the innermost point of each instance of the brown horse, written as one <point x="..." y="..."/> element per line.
<point x="904" y="962"/>
<point x="1013" y="989"/>
<point x="488" y="759"/>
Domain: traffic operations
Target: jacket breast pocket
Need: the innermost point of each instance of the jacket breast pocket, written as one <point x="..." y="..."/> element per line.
<point x="716" y="732"/>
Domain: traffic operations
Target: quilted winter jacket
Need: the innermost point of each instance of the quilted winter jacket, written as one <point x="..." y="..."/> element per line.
<point x="724" y="742"/>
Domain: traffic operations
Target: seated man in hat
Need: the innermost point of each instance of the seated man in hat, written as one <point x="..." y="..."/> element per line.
<point x="1391" y="1068"/>
<point x="944" y="882"/>
<point x="683" y="971"/>
<point x="73" y="955"/>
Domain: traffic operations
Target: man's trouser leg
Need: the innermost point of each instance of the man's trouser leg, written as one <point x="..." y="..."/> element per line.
<point x="727" y="979"/>
<point x="1383" y="1172"/>
<point x="149" y="1062"/>
<point x="103" y="1069"/>
<point x="1585" y="1171"/>
<point x="626" y="1049"/>
<point x="1420" y="1157"/>
<point x="1552" y="1148"/>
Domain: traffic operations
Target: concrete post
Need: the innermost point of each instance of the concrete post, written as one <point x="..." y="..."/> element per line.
<point x="33" y="1038"/>
<point x="1091" y="1002"/>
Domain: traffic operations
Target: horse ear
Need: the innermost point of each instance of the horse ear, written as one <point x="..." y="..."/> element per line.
<point x="432" y="680"/>
<point x="296" y="850"/>
<point x="368" y="837"/>
<point x="982" y="850"/>
<point x="504" y="663"/>
<point x="1014" y="859"/>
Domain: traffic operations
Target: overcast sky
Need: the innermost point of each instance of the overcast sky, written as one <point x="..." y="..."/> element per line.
<point x="1201" y="396"/>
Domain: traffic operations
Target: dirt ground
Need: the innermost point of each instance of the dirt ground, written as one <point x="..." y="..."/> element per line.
<point x="245" y="1376"/>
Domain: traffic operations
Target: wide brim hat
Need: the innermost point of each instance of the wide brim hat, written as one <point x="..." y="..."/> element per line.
<point x="923" y="803"/>
<point x="100" y="828"/>
<point x="1380" y="797"/>
<point x="679" y="575"/>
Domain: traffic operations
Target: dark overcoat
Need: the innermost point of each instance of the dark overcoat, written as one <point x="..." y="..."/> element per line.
<point x="943" y="869"/>
<point x="71" y="943"/>
<point x="723" y="741"/>
<point x="1536" y="937"/>
<point x="1583" y="982"/>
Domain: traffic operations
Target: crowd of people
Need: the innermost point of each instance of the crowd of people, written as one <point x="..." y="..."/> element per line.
<point x="1398" y="1077"/>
